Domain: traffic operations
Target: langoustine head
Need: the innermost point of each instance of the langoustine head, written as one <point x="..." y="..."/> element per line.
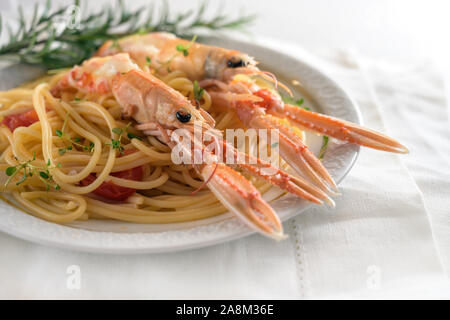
<point x="147" y="99"/>
<point x="142" y="96"/>
<point x="166" y="52"/>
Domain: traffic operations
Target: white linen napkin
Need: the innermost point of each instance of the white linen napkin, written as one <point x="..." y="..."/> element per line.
<point x="416" y="110"/>
<point x="379" y="235"/>
<point x="376" y="243"/>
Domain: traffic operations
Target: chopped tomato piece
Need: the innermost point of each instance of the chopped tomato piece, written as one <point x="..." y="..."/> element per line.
<point x="24" y="119"/>
<point x="109" y="189"/>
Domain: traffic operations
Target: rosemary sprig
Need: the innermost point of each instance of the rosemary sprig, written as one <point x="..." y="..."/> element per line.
<point x="48" y="40"/>
<point x="28" y="170"/>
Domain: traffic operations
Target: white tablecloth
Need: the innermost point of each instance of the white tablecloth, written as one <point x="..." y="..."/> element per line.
<point x="376" y="243"/>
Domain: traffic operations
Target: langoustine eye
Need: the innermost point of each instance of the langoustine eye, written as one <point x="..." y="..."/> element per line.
<point x="183" y="116"/>
<point x="235" y="62"/>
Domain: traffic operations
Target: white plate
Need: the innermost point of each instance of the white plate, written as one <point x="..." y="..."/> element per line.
<point x="320" y="93"/>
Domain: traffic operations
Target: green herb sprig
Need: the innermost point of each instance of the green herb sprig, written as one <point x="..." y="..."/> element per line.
<point x="43" y="40"/>
<point x="184" y="49"/>
<point x="325" y="140"/>
<point x="295" y="102"/>
<point x="198" y="92"/>
<point x="67" y="139"/>
<point x="117" y="143"/>
<point x="29" y="170"/>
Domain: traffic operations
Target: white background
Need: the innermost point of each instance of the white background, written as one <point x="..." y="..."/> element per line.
<point x="405" y="31"/>
<point x="398" y="29"/>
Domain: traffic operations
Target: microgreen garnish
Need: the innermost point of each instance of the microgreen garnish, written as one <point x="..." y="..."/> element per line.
<point x="148" y="60"/>
<point x="28" y="170"/>
<point x="89" y="147"/>
<point x="131" y="135"/>
<point x="71" y="142"/>
<point x="62" y="151"/>
<point x="184" y="49"/>
<point x="298" y="102"/>
<point x="118" y="131"/>
<point x="324" y="147"/>
<point x="274" y="145"/>
<point x="198" y="92"/>
<point x="116" y="143"/>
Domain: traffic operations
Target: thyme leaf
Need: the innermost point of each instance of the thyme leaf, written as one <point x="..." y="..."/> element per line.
<point x="28" y="170"/>
<point x="71" y="142"/>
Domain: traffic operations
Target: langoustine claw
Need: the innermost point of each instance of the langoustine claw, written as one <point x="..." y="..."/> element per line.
<point x="342" y="130"/>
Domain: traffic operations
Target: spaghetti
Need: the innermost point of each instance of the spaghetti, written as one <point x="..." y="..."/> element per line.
<point x="65" y="157"/>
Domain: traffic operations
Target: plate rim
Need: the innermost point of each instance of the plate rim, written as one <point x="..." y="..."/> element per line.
<point x="240" y="232"/>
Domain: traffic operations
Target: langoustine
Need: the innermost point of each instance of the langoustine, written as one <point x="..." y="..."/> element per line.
<point x="220" y="70"/>
<point x="160" y="110"/>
